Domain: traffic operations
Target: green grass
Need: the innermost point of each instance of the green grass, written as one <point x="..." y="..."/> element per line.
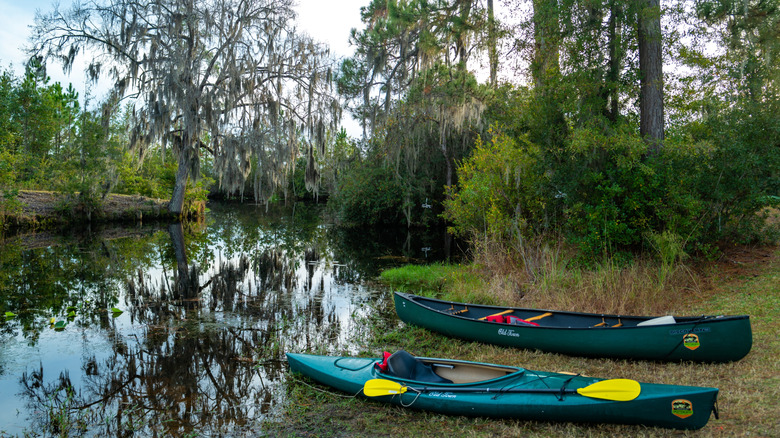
<point x="749" y="399"/>
<point x="453" y="282"/>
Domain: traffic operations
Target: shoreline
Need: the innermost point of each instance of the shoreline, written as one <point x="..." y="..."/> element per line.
<point x="40" y="210"/>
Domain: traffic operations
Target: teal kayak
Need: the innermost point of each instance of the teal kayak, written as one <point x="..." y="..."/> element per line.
<point x="667" y="338"/>
<point x="456" y="387"/>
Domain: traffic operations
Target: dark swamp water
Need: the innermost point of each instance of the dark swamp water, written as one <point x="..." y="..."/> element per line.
<point x="208" y="311"/>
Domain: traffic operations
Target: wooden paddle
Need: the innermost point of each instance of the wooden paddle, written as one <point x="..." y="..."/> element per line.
<point x="614" y="389"/>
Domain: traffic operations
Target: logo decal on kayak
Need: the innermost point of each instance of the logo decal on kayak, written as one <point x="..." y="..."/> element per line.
<point x="442" y="394"/>
<point x="691" y="341"/>
<point x="682" y="408"/>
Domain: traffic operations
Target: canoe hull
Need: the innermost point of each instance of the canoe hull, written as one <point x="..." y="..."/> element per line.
<point x="700" y="339"/>
<point x="669" y="406"/>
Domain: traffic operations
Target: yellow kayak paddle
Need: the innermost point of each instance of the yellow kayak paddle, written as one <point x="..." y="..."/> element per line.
<point x="614" y="389"/>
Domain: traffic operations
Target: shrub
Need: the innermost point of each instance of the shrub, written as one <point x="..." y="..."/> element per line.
<point x="497" y="195"/>
<point x="368" y="195"/>
<point x="608" y="188"/>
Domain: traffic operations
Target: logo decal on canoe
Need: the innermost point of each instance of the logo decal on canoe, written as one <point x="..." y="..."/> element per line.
<point x="682" y="408"/>
<point x="508" y="332"/>
<point x="690" y="330"/>
<point x="691" y="341"/>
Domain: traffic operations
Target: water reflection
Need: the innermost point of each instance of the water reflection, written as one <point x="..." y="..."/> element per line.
<point x="208" y="311"/>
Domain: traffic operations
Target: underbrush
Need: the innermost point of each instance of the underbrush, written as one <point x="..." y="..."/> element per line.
<point x="549" y="277"/>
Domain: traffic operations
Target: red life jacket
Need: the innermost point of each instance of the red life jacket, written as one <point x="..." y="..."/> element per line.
<point x="510" y="319"/>
<point x="495" y="318"/>
<point x="383" y="365"/>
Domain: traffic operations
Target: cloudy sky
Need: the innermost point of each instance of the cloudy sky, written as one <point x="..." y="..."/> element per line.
<point x="319" y="18"/>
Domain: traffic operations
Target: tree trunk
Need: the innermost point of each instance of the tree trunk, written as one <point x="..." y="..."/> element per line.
<point x="546" y="53"/>
<point x="651" y="98"/>
<point x="183" y="281"/>
<point x="447" y="159"/>
<point x="180" y="187"/>
<point x="462" y="33"/>
<point x="492" y="52"/>
<point x="615" y="55"/>
<point x="545" y="70"/>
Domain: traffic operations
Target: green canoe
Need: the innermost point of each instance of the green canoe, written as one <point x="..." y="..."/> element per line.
<point x="668" y="338"/>
<point x="457" y="387"/>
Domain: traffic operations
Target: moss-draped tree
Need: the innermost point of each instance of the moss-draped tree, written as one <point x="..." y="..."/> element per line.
<point x="225" y="77"/>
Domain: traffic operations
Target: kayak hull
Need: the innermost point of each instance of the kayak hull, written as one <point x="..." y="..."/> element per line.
<point x="700" y="339"/>
<point x="668" y="406"/>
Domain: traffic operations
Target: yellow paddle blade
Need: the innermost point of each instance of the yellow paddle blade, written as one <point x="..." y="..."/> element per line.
<point x="613" y="389"/>
<point x="379" y="387"/>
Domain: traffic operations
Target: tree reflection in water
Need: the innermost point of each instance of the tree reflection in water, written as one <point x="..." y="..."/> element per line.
<point x="209" y="312"/>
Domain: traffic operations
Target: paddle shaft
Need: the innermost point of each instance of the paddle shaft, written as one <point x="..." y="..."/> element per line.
<point x="613" y="389"/>
<point x="514" y="390"/>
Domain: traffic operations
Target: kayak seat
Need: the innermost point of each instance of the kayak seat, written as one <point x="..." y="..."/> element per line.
<point x="404" y="365"/>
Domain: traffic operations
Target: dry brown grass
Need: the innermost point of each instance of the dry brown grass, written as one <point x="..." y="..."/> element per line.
<point x="542" y="276"/>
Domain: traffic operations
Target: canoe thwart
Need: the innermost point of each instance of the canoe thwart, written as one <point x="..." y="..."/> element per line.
<point x="534" y="318"/>
<point x="605" y="324"/>
<point x="452" y="310"/>
<point x="497" y="314"/>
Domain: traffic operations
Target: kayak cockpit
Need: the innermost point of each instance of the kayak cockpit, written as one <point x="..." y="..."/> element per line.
<point x="471" y="373"/>
<point x="403" y="365"/>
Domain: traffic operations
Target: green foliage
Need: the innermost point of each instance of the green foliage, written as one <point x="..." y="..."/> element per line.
<point x="742" y="175"/>
<point x="497" y="194"/>
<point x="611" y="199"/>
<point x="749" y="30"/>
<point x="151" y="177"/>
<point x="298" y="181"/>
<point x="368" y="195"/>
<point x="87" y="166"/>
<point x="607" y="189"/>
<point x="48" y="142"/>
<point x="8" y="203"/>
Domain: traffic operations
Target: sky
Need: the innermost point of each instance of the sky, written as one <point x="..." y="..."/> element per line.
<point x="319" y="18"/>
<point x="325" y="21"/>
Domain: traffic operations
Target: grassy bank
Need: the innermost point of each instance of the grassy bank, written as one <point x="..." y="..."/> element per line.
<point x="742" y="283"/>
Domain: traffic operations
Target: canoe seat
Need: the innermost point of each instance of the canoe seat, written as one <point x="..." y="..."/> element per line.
<point x="404" y="365"/>
<point x="668" y="319"/>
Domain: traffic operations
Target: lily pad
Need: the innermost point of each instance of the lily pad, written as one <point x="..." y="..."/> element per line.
<point x="9" y="315"/>
<point x="72" y="314"/>
<point x="116" y="311"/>
<point x="71" y="308"/>
<point x="60" y="325"/>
